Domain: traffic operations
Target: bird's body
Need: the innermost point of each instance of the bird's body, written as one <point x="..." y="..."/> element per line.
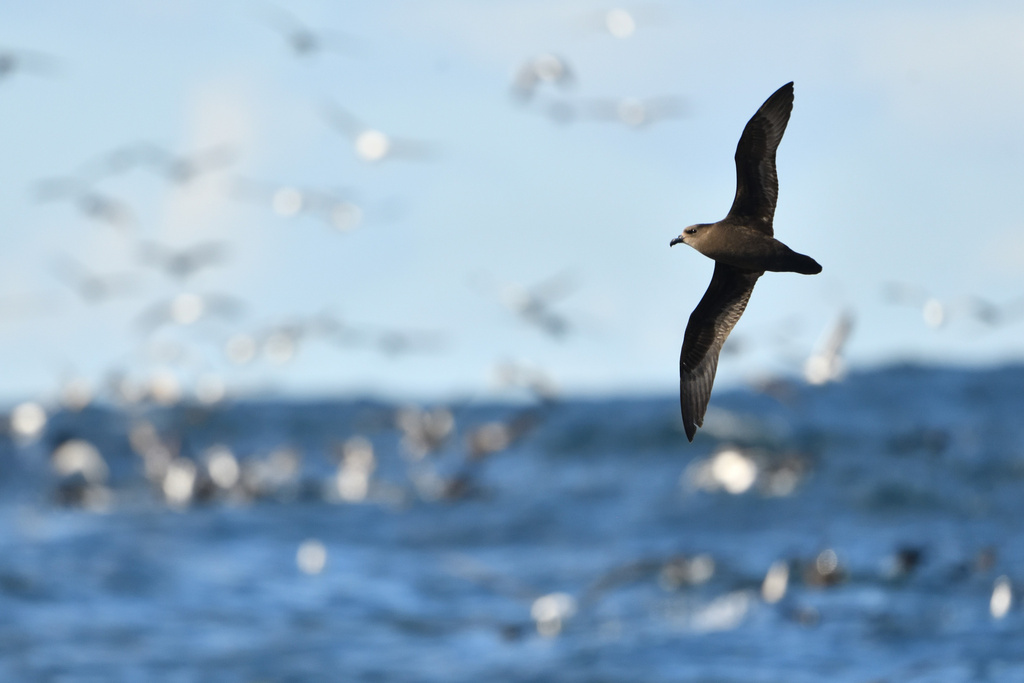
<point x="740" y="246"/>
<point x="743" y="247"/>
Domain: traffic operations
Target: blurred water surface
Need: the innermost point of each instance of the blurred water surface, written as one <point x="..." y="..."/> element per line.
<point x="867" y="530"/>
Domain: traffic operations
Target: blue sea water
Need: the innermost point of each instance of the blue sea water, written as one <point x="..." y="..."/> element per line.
<point x="577" y="540"/>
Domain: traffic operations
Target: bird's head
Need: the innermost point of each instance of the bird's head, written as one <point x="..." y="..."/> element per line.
<point x="688" y="235"/>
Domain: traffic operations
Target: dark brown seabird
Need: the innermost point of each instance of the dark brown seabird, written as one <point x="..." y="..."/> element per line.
<point x="743" y="248"/>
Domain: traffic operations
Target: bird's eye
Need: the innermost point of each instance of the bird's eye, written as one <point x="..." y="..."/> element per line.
<point x="690" y="231"/>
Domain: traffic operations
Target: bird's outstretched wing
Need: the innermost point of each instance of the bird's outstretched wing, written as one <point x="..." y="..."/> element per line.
<point x="709" y="325"/>
<point x="757" y="184"/>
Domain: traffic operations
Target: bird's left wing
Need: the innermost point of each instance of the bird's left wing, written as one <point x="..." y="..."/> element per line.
<point x="710" y="323"/>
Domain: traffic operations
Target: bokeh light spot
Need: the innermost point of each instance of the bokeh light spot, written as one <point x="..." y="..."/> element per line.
<point x="311" y="557"/>
<point x="346" y="216"/>
<point x="240" y="349"/>
<point x="550" y="612"/>
<point x="372" y="145"/>
<point x="187" y="308"/>
<point x="222" y="466"/>
<point x="77" y="456"/>
<point x="179" y="482"/>
<point x="28" y="420"/>
<point x="775" y="582"/>
<point x="620" y="23"/>
<point x="287" y="201"/>
<point x="734" y="471"/>
<point x="1002" y="598"/>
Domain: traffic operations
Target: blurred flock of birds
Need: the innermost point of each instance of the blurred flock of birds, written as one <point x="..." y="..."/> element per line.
<point x="189" y="341"/>
<point x="81" y="475"/>
<point x="179" y="368"/>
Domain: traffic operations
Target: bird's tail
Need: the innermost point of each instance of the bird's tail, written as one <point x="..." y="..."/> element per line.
<point x="792" y="262"/>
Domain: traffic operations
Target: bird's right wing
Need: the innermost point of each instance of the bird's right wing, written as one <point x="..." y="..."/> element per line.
<point x="710" y="323"/>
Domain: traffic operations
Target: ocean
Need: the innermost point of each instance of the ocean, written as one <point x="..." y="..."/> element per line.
<point x="866" y="530"/>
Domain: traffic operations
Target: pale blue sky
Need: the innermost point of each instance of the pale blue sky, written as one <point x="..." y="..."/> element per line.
<point x="903" y="161"/>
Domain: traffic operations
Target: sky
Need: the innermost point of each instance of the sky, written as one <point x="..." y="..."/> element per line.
<point x="899" y="172"/>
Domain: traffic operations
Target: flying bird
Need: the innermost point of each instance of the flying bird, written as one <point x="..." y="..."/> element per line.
<point x="743" y="248"/>
<point x="826" y="363"/>
<point x="91" y="287"/>
<point x="180" y="169"/>
<point x="534" y="305"/>
<point x="183" y="263"/>
<point x="28" y="61"/>
<point x="188" y="308"/>
<point x="638" y="113"/>
<point x="937" y="313"/>
<point x="303" y="40"/>
<point x="544" y="69"/>
<point x="372" y="145"/>
<point x="90" y="202"/>
<point x="631" y="112"/>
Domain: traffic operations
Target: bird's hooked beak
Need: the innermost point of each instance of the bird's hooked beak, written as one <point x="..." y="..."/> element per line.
<point x="688" y="232"/>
